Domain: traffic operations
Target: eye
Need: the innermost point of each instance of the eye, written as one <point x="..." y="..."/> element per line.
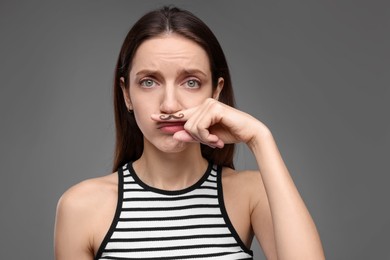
<point x="192" y="83"/>
<point x="147" y="83"/>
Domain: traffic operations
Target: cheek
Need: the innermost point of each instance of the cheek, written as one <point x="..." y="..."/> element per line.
<point x="141" y="114"/>
<point x="141" y="110"/>
<point x="140" y="101"/>
<point x="192" y="100"/>
<point x="144" y="122"/>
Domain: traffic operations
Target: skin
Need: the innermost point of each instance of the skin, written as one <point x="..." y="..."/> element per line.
<point x="170" y="81"/>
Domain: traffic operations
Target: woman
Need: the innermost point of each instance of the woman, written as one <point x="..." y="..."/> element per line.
<point x="176" y="194"/>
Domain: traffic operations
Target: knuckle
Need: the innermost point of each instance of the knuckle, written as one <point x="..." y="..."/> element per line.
<point x="210" y="101"/>
<point x="199" y="128"/>
<point x="187" y="127"/>
<point x="216" y="107"/>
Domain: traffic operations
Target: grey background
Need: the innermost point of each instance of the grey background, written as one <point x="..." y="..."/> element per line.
<point x="315" y="72"/>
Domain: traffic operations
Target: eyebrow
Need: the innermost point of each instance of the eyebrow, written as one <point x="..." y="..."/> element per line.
<point x="147" y="72"/>
<point x="183" y="71"/>
<point x="192" y="71"/>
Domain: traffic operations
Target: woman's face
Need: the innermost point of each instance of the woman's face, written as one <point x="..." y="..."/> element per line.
<point x="169" y="74"/>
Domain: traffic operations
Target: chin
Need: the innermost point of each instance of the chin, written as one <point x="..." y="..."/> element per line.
<point x="173" y="147"/>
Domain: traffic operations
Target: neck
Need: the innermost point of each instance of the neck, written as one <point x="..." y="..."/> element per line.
<point x="171" y="171"/>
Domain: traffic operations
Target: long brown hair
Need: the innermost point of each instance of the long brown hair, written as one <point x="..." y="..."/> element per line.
<point x="129" y="139"/>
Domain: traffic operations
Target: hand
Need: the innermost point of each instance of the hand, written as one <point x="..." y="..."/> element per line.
<point x="214" y="124"/>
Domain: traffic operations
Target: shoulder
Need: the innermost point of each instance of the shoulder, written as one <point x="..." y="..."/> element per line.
<point x="242" y="192"/>
<point x="246" y="183"/>
<point x="87" y="194"/>
<point x="250" y="179"/>
<point x="240" y="175"/>
<point x="81" y="210"/>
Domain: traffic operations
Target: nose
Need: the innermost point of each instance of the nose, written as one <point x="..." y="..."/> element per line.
<point x="170" y="103"/>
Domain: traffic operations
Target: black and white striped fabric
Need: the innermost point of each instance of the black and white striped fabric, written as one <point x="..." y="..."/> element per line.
<point x="157" y="224"/>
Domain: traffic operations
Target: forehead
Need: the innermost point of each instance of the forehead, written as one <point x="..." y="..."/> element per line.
<point x="170" y="51"/>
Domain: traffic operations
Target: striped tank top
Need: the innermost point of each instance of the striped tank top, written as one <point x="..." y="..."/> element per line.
<point x="192" y="223"/>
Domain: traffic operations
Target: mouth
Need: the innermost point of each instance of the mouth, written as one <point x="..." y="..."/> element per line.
<point x="171" y="128"/>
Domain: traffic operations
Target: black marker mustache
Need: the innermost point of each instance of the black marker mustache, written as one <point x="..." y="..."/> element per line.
<point x="171" y="116"/>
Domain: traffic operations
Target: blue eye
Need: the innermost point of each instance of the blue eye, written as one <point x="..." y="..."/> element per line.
<point x="193" y="83"/>
<point x="148" y="83"/>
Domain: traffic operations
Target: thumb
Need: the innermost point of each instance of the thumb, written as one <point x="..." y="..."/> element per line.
<point x="184" y="136"/>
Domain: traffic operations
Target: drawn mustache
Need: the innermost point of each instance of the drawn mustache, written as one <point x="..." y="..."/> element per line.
<point x="171" y="116"/>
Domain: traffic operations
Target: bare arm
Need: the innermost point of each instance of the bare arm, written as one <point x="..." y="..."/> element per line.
<point x="72" y="239"/>
<point x="296" y="236"/>
<point x="288" y="226"/>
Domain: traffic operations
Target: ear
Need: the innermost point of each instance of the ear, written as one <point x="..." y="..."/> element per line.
<point x="219" y="88"/>
<point x="126" y="94"/>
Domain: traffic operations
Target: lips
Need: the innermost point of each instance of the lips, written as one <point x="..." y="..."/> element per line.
<point x="171" y="128"/>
